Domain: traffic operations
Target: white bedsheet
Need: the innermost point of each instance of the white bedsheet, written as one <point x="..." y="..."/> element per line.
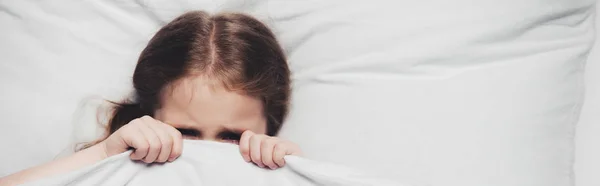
<point x="204" y="163"/>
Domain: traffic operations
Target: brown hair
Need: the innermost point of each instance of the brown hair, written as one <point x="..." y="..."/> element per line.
<point x="235" y="49"/>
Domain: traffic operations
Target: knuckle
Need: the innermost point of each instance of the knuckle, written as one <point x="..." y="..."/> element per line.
<point x="163" y="124"/>
<point x="143" y="147"/>
<point x="265" y="142"/>
<point x="255" y="154"/>
<point x="166" y="144"/>
<point x="155" y="147"/>
<point x="177" y="153"/>
<point x="279" y="147"/>
<point x="254" y="138"/>
<point x="247" y="133"/>
<point x="135" y="121"/>
<point x="176" y="134"/>
<point x="244" y="149"/>
<point x="270" y="141"/>
<point x="165" y="138"/>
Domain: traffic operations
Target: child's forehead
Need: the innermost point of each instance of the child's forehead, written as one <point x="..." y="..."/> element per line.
<point x="200" y="91"/>
<point x="205" y="101"/>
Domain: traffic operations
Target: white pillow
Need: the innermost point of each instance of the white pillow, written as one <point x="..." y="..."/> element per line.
<point x="444" y="93"/>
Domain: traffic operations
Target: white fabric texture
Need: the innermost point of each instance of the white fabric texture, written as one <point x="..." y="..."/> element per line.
<point x="205" y="163"/>
<point x="469" y="93"/>
<point x="587" y="159"/>
<point x="436" y="92"/>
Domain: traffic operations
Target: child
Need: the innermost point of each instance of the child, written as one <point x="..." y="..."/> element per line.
<point x="221" y="78"/>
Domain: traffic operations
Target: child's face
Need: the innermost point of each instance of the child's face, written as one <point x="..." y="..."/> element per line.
<point x="204" y="110"/>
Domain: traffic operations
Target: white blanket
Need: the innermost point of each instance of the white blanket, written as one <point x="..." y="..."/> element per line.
<point x="204" y="163"/>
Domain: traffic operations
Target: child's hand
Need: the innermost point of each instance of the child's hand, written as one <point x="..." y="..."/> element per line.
<point x="152" y="140"/>
<point x="266" y="151"/>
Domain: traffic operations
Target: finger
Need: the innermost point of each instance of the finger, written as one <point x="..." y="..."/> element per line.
<point x="146" y="119"/>
<point x="177" y="138"/>
<point x="279" y="151"/>
<point x="153" y="142"/>
<point x="293" y="149"/>
<point x="255" y="142"/>
<point x="245" y="144"/>
<point x="266" y="151"/>
<point x="137" y="141"/>
<point x="166" y="141"/>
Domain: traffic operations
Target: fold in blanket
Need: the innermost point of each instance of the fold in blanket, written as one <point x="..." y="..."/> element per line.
<point x="204" y="163"/>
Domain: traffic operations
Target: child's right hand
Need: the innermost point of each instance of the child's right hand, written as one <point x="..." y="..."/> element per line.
<point x="152" y="141"/>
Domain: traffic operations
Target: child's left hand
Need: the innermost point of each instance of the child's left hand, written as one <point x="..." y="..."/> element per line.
<point x="266" y="151"/>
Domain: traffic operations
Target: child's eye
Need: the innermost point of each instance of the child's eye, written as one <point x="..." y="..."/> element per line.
<point x="189" y="133"/>
<point x="237" y="142"/>
<point x="230" y="137"/>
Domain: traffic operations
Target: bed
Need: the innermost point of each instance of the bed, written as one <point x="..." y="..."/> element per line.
<point x="432" y="93"/>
